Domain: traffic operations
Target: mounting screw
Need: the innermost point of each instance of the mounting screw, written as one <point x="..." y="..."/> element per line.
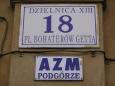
<point x="93" y="53"/>
<point x="21" y="55"/>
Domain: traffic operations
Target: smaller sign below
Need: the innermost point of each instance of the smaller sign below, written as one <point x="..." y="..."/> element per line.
<point x="59" y="68"/>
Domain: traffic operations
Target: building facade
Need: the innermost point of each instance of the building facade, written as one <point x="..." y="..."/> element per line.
<point x="17" y="65"/>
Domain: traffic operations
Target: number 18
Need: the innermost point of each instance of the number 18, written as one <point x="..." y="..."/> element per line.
<point x="60" y="27"/>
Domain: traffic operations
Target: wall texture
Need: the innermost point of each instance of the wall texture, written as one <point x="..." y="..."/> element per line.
<point x="109" y="41"/>
<point x="18" y="69"/>
<point x="7" y="12"/>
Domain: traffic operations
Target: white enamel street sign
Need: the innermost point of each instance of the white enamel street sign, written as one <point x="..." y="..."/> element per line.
<point x="58" y="26"/>
<point x="59" y="68"/>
